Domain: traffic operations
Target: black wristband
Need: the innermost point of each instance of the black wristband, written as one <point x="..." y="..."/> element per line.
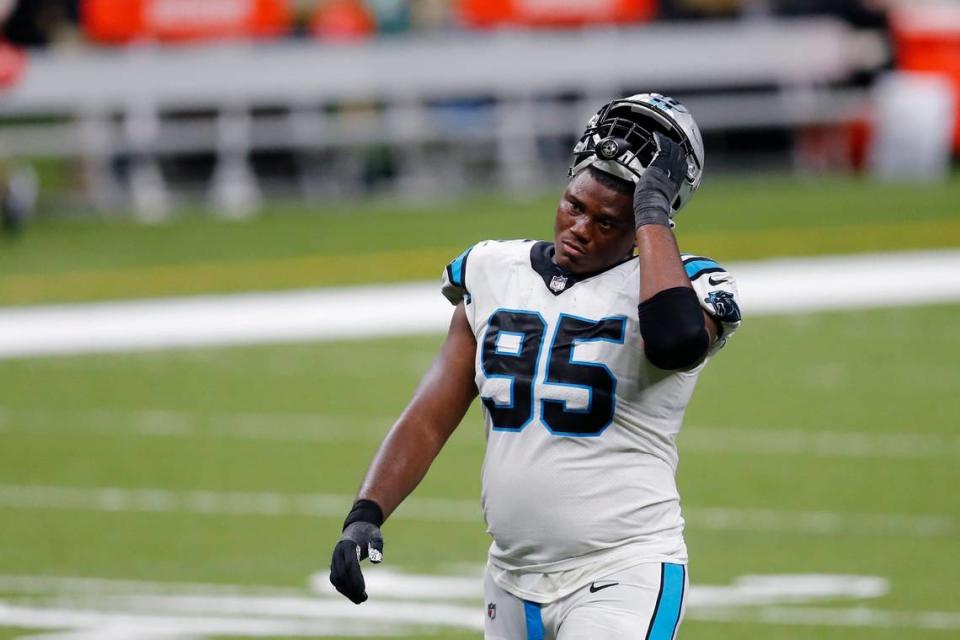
<point x="364" y="511"/>
<point x="653" y="198"/>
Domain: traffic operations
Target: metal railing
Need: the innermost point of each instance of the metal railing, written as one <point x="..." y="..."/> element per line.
<point x="504" y="93"/>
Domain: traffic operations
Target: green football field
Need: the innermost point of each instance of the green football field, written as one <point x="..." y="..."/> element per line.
<point x="822" y="444"/>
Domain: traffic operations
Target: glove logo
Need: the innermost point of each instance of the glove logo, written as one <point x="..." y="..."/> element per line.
<point x="724" y="306"/>
<point x="491" y="610"/>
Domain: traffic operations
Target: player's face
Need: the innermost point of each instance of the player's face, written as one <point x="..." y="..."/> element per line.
<point x="594" y="226"/>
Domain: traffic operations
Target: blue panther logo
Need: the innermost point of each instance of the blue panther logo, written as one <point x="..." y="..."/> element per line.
<point x="725" y="308"/>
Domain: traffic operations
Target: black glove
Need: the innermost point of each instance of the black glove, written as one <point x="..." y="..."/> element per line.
<point x="361" y="539"/>
<point x="658" y="186"/>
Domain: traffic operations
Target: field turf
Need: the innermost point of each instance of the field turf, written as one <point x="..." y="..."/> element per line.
<point x="292" y="246"/>
<point x="824" y="443"/>
<point x="86" y="422"/>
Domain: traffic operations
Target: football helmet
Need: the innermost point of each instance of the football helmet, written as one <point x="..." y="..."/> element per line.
<point x="619" y="140"/>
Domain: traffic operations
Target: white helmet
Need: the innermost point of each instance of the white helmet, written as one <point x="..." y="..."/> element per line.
<point x="619" y="139"/>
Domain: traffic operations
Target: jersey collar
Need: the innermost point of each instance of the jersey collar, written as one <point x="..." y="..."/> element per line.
<point x="556" y="278"/>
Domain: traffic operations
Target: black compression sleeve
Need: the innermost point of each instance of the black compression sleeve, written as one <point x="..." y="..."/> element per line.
<point x="364" y="511"/>
<point x="673" y="329"/>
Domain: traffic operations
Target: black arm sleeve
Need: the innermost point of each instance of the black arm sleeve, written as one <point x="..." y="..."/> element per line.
<point x="673" y="329"/>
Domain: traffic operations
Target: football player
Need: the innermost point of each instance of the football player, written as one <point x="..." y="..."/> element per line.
<point x="584" y="352"/>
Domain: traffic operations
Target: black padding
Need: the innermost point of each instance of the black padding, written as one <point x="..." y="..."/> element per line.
<point x="673" y="329"/>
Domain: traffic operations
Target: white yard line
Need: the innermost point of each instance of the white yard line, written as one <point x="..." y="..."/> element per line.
<point x="819" y="443"/>
<point x="402" y="603"/>
<point x="317" y="427"/>
<point x="229" y="503"/>
<point x="241" y="319"/>
<point x="831" y="617"/>
<point x="67" y="585"/>
<point x="797" y="285"/>
<point x="220" y="503"/>
<point x="117" y="625"/>
<point x="171" y="423"/>
<point x="819" y="522"/>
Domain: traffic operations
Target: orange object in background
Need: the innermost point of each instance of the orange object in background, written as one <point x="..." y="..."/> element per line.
<point x="123" y="21"/>
<point x="342" y="20"/>
<point x="554" y="13"/>
<point x="927" y="40"/>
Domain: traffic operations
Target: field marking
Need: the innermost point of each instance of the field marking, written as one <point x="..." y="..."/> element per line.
<point x="66" y="585"/>
<point x="401" y="603"/>
<point x="324" y="428"/>
<point x="796" y="285"/>
<point x="830" y="617"/>
<point x="819" y="522"/>
<point x="820" y="444"/>
<point x="112" y="625"/>
<point x="231" y="503"/>
<point x="221" y="503"/>
<point x="170" y="423"/>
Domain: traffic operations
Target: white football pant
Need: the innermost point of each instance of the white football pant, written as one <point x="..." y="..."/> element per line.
<point x="645" y="602"/>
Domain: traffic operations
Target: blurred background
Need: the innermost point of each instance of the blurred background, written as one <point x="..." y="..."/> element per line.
<point x="223" y="224"/>
<point x="153" y="105"/>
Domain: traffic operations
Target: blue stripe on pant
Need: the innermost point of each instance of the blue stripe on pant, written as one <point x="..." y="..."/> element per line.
<point x="531" y="612"/>
<point x="670" y="601"/>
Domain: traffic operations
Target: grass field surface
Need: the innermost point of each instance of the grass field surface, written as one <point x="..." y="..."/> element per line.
<point x="208" y="485"/>
<point x="289" y="247"/>
<point x="850" y="415"/>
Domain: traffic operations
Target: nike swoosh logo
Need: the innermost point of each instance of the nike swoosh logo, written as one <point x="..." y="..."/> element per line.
<point x="715" y="281"/>
<point x="594" y="587"/>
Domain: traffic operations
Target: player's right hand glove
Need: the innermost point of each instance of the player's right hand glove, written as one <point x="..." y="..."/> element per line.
<point x="660" y="183"/>
<point x="361" y="539"/>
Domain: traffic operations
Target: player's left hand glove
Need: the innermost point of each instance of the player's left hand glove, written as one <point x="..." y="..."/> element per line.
<point x="660" y="183"/>
<point x="361" y="539"/>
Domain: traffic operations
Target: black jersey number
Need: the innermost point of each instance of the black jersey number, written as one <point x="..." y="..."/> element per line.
<point x="511" y="349"/>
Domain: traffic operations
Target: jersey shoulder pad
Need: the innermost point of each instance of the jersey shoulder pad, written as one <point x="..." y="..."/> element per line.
<point x="460" y="272"/>
<point x="717" y="292"/>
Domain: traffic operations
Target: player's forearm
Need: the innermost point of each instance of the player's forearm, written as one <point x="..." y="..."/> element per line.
<point x="660" y="265"/>
<point x="400" y="464"/>
<point x="437" y="407"/>
<point x="672" y="325"/>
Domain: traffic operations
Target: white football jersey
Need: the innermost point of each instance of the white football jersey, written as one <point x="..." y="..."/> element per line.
<point x="581" y="459"/>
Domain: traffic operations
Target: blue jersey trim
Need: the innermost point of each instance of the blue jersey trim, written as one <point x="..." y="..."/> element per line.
<point x="456" y="268"/>
<point x="531" y="612"/>
<point x="666" y="616"/>
<point x="695" y="267"/>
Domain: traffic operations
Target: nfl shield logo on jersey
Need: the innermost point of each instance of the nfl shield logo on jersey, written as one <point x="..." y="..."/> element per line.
<point x="491" y="611"/>
<point x="558" y="283"/>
